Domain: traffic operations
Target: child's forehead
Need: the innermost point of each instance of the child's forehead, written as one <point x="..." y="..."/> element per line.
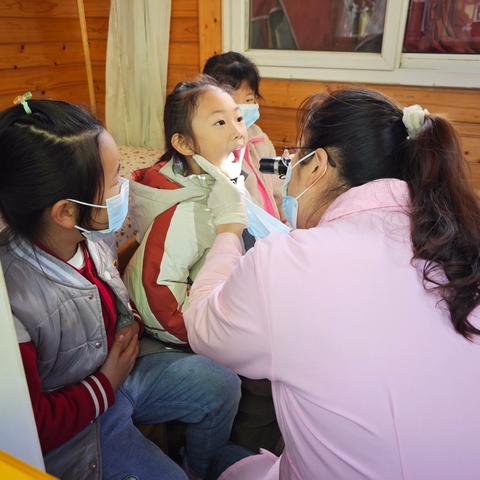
<point x="245" y="88"/>
<point x="213" y="100"/>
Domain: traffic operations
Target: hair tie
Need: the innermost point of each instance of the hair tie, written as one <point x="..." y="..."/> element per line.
<point x="414" y="120"/>
<point x="22" y="99"/>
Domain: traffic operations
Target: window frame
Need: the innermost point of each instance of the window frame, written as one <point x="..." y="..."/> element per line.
<point x="391" y="66"/>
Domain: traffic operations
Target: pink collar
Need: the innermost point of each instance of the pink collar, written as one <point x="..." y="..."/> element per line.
<point x="384" y="193"/>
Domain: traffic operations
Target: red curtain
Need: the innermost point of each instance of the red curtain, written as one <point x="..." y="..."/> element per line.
<point x="311" y="22"/>
<point x="443" y="26"/>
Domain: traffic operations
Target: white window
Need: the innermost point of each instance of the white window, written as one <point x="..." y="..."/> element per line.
<point x="410" y="42"/>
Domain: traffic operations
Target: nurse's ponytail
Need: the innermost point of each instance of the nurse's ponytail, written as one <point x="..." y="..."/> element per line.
<point x="445" y="219"/>
<point x="369" y="137"/>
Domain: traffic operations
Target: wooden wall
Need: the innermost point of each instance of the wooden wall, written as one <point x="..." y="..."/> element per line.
<point x="461" y="106"/>
<point x="41" y="50"/>
<point x="183" y="54"/>
<point x="195" y="28"/>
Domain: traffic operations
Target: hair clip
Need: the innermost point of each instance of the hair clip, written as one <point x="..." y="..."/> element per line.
<point x="22" y="99"/>
<point x="414" y="119"/>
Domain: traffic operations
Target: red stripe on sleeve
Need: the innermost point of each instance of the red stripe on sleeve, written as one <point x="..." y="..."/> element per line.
<point x="63" y="413"/>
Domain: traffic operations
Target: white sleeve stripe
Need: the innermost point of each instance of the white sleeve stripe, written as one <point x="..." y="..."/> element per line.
<point x="94" y="397"/>
<point x="102" y="391"/>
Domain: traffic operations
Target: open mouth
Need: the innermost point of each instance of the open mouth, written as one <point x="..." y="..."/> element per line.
<point x="237" y="154"/>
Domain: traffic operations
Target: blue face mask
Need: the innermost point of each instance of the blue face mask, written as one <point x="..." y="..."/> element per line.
<point x="250" y="113"/>
<point x="289" y="203"/>
<point x="261" y="223"/>
<point x="117" y="209"/>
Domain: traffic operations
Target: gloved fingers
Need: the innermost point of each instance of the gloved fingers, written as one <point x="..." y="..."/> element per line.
<point x="234" y="216"/>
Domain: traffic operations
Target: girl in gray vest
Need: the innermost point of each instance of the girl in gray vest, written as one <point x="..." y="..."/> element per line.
<point x="61" y="196"/>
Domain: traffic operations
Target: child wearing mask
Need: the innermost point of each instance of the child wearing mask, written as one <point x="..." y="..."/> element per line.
<point x="240" y="74"/>
<point x="60" y="197"/>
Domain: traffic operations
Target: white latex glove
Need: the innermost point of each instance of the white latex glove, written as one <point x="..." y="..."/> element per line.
<point x="226" y="199"/>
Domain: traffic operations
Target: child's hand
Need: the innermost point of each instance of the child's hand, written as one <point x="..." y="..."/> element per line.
<point x="121" y="358"/>
<point x="132" y="329"/>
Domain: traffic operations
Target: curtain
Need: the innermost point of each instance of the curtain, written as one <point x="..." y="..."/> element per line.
<point x="136" y="73"/>
<point x="332" y="25"/>
<point x="443" y="26"/>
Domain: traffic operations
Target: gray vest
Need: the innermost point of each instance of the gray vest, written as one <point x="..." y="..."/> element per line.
<point x="60" y="311"/>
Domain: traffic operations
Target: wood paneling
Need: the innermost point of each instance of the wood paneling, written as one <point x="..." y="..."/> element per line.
<point x="36" y="79"/>
<point x="97" y="8"/>
<point x="185" y="8"/>
<point x="41" y="50"/>
<point x="183" y="55"/>
<point x="210" y="29"/>
<point x="39" y="29"/>
<point x="50" y="9"/>
<point x="97" y="16"/>
<point x="22" y="55"/>
<point x="98" y="50"/>
<point x="280" y="123"/>
<point x="38" y="8"/>
<point x="70" y="93"/>
<point x="460" y="106"/>
<point x="184" y="29"/>
<point x="97" y="27"/>
<point x="180" y="73"/>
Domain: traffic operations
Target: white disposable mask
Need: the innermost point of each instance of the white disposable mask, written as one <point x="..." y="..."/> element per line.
<point x="250" y="113"/>
<point x="117" y="210"/>
<point x="289" y="203"/>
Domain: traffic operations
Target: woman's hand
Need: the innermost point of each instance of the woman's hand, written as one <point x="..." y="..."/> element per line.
<point x="226" y="199"/>
<point x="121" y="358"/>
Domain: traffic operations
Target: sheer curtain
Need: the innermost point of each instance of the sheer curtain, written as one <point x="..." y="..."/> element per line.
<point x="136" y="73"/>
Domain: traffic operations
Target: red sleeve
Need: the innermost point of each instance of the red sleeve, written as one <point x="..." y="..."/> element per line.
<point x="63" y="413"/>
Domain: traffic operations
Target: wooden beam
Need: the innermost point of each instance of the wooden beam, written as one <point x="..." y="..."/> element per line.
<point x="209" y="29"/>
<point x="86" y="52"/>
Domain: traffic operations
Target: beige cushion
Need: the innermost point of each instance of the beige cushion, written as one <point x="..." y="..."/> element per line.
<point x="131" y="159"/>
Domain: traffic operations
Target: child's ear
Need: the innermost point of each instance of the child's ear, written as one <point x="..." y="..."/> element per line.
<point x="181" y="145"/>
<point x="64" y="213"/>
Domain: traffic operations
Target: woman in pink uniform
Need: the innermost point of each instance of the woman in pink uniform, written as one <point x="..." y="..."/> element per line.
<point x="365" y="317"/>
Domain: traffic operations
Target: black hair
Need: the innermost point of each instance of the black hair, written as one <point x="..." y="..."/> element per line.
<point x="180" y="107"/>
<point x="233" y="68"/>
<point x="46" y="156"/>
<point x="364" y="133"/>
